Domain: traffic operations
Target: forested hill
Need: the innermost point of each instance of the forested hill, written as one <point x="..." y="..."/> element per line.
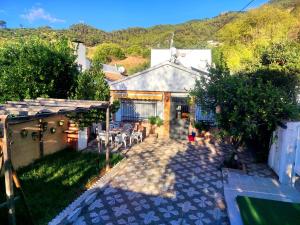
<point x="237" y="35"/>
<point x="285" y="3"/>
<point x="192" y="34"/>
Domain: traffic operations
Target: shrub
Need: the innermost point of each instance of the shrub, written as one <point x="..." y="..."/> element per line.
<point x="91" y="85"/>
<point x="202" y="125"/>
<point x="252" y="104"/>
<point x="105" y="52"/>
<point x="31" y="68"/>
<point x="155" y="120"/>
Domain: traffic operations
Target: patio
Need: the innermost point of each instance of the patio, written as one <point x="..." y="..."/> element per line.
<point x="160" y="182"/>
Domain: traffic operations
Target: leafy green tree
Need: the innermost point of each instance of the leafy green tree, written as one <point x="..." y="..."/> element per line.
<point x="252" y="103"/>
<point x="137" y="50"/>
<point x="91" y="85"/>
<point x="34" y="68"/>
<point x="105" y="52"/>
<point x="250" y="33"/>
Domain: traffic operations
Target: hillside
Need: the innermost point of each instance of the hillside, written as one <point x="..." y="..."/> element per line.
<point x="240" y="34"/>
<point x="191" y="34"/>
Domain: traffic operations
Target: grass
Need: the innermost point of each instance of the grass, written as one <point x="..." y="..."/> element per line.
<point x="52" y="183"/>
<point x="256" y="211"/>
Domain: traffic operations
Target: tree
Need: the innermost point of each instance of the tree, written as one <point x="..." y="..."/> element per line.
<point x="2" y="24"/>
<point x="34" y="68"/>
<point x="91" y="85"/>
<point x="105" y="52"/>
<point x="252" y="103"/>
<point x="250" y="33"/>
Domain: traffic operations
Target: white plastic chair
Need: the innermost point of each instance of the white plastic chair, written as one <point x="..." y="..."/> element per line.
<point x="102" y="137"/>
<point x="137" y="135"/>
<point x="127" y="127"/>
<point x="121" y="139"/>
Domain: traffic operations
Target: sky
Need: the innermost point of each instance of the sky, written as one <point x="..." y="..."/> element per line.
<point x="113" y="15"/>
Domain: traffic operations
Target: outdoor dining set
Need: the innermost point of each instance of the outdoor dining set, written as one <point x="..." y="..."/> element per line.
<point x="120" y="134"/>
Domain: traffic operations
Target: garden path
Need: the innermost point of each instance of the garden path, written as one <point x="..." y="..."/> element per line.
<point x="160" y="182"/>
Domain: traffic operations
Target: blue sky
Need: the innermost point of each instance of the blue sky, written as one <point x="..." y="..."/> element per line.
<point x="112" y="15"/>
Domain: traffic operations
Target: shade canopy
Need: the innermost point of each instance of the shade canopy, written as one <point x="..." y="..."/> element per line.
<point x="31" y="108"/>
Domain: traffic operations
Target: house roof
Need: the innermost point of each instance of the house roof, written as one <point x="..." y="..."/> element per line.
<point x="194" y="72"/>
<point x="166" y="76"/>
<point x="111" y="77"/>
<point x="40" y="107"/>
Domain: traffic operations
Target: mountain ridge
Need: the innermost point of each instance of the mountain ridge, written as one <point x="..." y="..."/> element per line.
<point x="190" y="34"/>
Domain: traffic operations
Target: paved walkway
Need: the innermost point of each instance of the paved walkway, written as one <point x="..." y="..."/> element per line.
<point x="164" y="182"/>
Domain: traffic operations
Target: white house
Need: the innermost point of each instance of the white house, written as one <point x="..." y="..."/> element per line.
<point x="199" y="59"/>
<point x="162" y="90"/>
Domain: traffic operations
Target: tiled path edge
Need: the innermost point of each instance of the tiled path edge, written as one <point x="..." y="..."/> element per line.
<point x="100" y="183"/>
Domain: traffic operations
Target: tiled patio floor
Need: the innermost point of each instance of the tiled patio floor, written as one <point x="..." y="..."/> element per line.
<point x="163" y="182"/>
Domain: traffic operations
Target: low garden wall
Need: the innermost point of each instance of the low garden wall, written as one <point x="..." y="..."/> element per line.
<point x="26" y="149"/>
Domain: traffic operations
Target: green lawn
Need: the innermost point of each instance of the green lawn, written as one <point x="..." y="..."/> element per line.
<point x="50" y="184"/>
<point x="256" y="211"/>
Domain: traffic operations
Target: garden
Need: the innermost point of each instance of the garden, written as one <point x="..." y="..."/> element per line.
<point x="50" y="184"/>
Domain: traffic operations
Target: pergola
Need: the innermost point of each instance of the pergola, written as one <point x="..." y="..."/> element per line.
<point x="17" y="111"/>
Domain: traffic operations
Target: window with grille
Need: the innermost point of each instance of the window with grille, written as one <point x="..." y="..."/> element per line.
<point x="138" y="110"/>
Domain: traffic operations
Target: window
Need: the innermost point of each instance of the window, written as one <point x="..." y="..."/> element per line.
<point x="138" y="110"/>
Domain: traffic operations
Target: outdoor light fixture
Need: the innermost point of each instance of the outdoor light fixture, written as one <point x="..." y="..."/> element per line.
<point x="34" y="135"/>
<point x="52" y="130"/>
<point x="24" y="133"/>
<point x="61" y="123"/>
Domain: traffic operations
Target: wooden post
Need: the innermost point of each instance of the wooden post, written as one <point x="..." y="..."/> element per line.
<point x="41" y="142"/>
<point x="107" y="139"/>
<point x="167" y="114"/>
<point x="9" y="188"/>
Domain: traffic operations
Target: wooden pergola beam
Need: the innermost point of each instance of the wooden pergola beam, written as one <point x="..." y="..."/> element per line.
<point x="107" y="140"/>
<point x="9" y="188"/>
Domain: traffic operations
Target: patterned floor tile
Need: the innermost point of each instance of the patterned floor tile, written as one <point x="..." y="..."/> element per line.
<point x="163" y="182"/>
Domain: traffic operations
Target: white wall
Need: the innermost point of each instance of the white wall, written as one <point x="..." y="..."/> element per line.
<point x="196" y="58"/>
<point x="81" y="57"/>
<point x="284" y="155"/>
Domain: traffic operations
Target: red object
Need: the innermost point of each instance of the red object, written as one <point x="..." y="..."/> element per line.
<point x="191" y="138"/>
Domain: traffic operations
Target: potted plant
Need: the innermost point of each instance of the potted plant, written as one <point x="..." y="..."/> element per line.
<point x="155" y="121"/>
<point x="203" y="129"/>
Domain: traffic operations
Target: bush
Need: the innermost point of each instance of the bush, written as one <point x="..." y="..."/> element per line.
<point x="104" y="53"/>
<point x="155" y="120"/>
<point x="91" y="85"/>
<point x="202" y="125"/>
<point x="137" y="50"/>
<point x="31" y="68"/>
<point x="252" y="104"/>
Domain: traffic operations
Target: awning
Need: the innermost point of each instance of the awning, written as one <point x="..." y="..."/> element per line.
<point x="138" y="96"/>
